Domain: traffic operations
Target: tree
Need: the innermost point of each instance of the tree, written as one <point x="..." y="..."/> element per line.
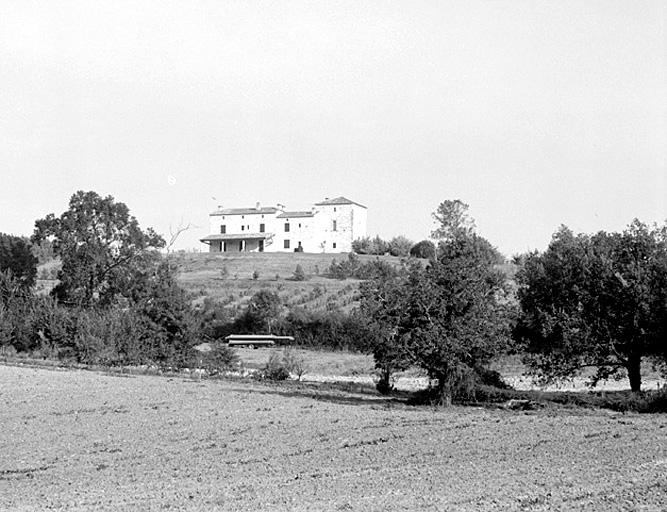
<point x="424" y="249"/>
<point x="366" y="245"/>
<point x="400" y="246"/>
<point x="299" y="274"/>
<point x="456" y="229"/>
<point x="16" y="256"/>
<point x="16" y="308"/>
<point x="100" y="245"/>
<point x="452" y="220"/>
<point x="263" y="309"/>
<point x="171" y="327"/>
<point x="595" y="301"/>
<point x="449" y="317"/>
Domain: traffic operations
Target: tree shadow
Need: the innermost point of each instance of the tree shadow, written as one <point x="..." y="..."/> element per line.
<point x="341" y="393"/>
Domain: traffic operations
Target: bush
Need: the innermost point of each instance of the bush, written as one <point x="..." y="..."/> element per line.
<point x="367" y="245"/>
<point x="16" y="256"/>
<point x="275" y="369"/>
<point x="400" y="246"/>
<point x="424" y="249"/>
<point x="294" y="363"/>
<point x="299" y="274"/>
<point x="220" y="359"/>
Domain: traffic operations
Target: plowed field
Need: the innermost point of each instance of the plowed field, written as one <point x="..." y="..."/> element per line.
<point x="79" y="440"/>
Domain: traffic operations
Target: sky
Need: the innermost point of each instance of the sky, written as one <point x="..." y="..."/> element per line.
<point x="536" y="113"/>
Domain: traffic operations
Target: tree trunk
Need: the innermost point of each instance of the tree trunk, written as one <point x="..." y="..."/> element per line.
<point x="634" y="372"/>
<point x="444" y="393"/>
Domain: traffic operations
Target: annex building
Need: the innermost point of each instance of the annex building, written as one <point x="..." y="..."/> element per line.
<point x="329" y="226"/>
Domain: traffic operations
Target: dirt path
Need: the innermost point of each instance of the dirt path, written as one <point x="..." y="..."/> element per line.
<point x="78" y="440"/>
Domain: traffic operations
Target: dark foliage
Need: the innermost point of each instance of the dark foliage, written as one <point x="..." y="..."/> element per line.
<point x="449" y="317"/>
<point x="16" y="256"/>
<point x="299" y="274"/>
<point x="275" y="369"/>
<point x="400" y="246"/>
<point x="375" y="246"/>
<point x="354" y="268"/>
<point x="100" y="245"/>
<point x="596" y="301"/>
<point x="327" y="330"/>
<point x="424" y="250"/>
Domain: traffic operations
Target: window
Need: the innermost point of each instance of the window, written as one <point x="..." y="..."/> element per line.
<point x="334" y="245"/>
<point x="261" y="227"/>
<point x="335" y="226"/>
<point x="242" y="228"/>
<point x="286" y="227"/>
<point x="223" y="229"/>
<point x="334" y="208"/>
<point x="240" y="245"/>
<point x="286" y="244"/>
<point x="223" y="246"/>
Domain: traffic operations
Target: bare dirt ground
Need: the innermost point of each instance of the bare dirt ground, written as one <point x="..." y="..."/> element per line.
<point x="80" y="440"/>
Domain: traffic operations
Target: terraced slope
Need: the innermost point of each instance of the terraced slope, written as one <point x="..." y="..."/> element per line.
<point x="232" y="279"/>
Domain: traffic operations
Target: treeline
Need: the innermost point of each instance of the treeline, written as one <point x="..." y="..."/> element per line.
<point x="117" y="301"/>
<point x="587" y="301"/>
<point x="398" y="246"/>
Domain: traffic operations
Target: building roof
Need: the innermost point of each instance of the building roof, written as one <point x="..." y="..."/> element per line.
<point x="235" y="236"/>
<point x="246" y="211"/>
<point x="286" y="215"/>
<point x="338" y="200"/>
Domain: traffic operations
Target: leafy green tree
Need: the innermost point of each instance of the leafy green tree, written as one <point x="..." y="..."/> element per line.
<point x="400" y="246"/>
<point x="16" y="256"/>
<point x="449" y="317"/>
<point x="595" y="301"/>
<point x="171" y="327"/>
<point x="16" y="313"/>
<point x="99" y="243"/>
<point x="262" y="311"/>
<point x="367" y="245"/>
<point x="424" y="250"/>
<point x="361" y="245"/>
<point x="456" y="232"/>
<point x="452" y="220"/>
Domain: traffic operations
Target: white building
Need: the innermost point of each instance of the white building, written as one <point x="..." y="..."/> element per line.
<point x="330" y="226"/>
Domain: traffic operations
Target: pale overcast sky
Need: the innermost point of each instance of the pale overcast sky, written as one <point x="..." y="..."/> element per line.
<point x="535" y="113"/>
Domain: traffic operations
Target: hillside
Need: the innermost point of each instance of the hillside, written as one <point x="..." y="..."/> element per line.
<point x="229" y="278"/>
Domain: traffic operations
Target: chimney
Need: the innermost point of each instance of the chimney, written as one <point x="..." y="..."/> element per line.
<point x="257" y="206"/>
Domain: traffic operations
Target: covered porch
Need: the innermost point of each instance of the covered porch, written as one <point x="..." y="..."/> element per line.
<point x="237" y="242"/>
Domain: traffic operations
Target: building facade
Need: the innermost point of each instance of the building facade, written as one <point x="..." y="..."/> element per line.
<point x="330" y="226"/>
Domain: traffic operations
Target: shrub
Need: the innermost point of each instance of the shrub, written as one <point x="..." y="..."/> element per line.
<point x="294" y="363"/>
<point x="299" y="274"/>
<point x="424" y="249"/>
<point x="400" y="246"/>
<point x="16" y="255"/>
<point x="275" y="369"/>
<point x="220" y="359"/>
